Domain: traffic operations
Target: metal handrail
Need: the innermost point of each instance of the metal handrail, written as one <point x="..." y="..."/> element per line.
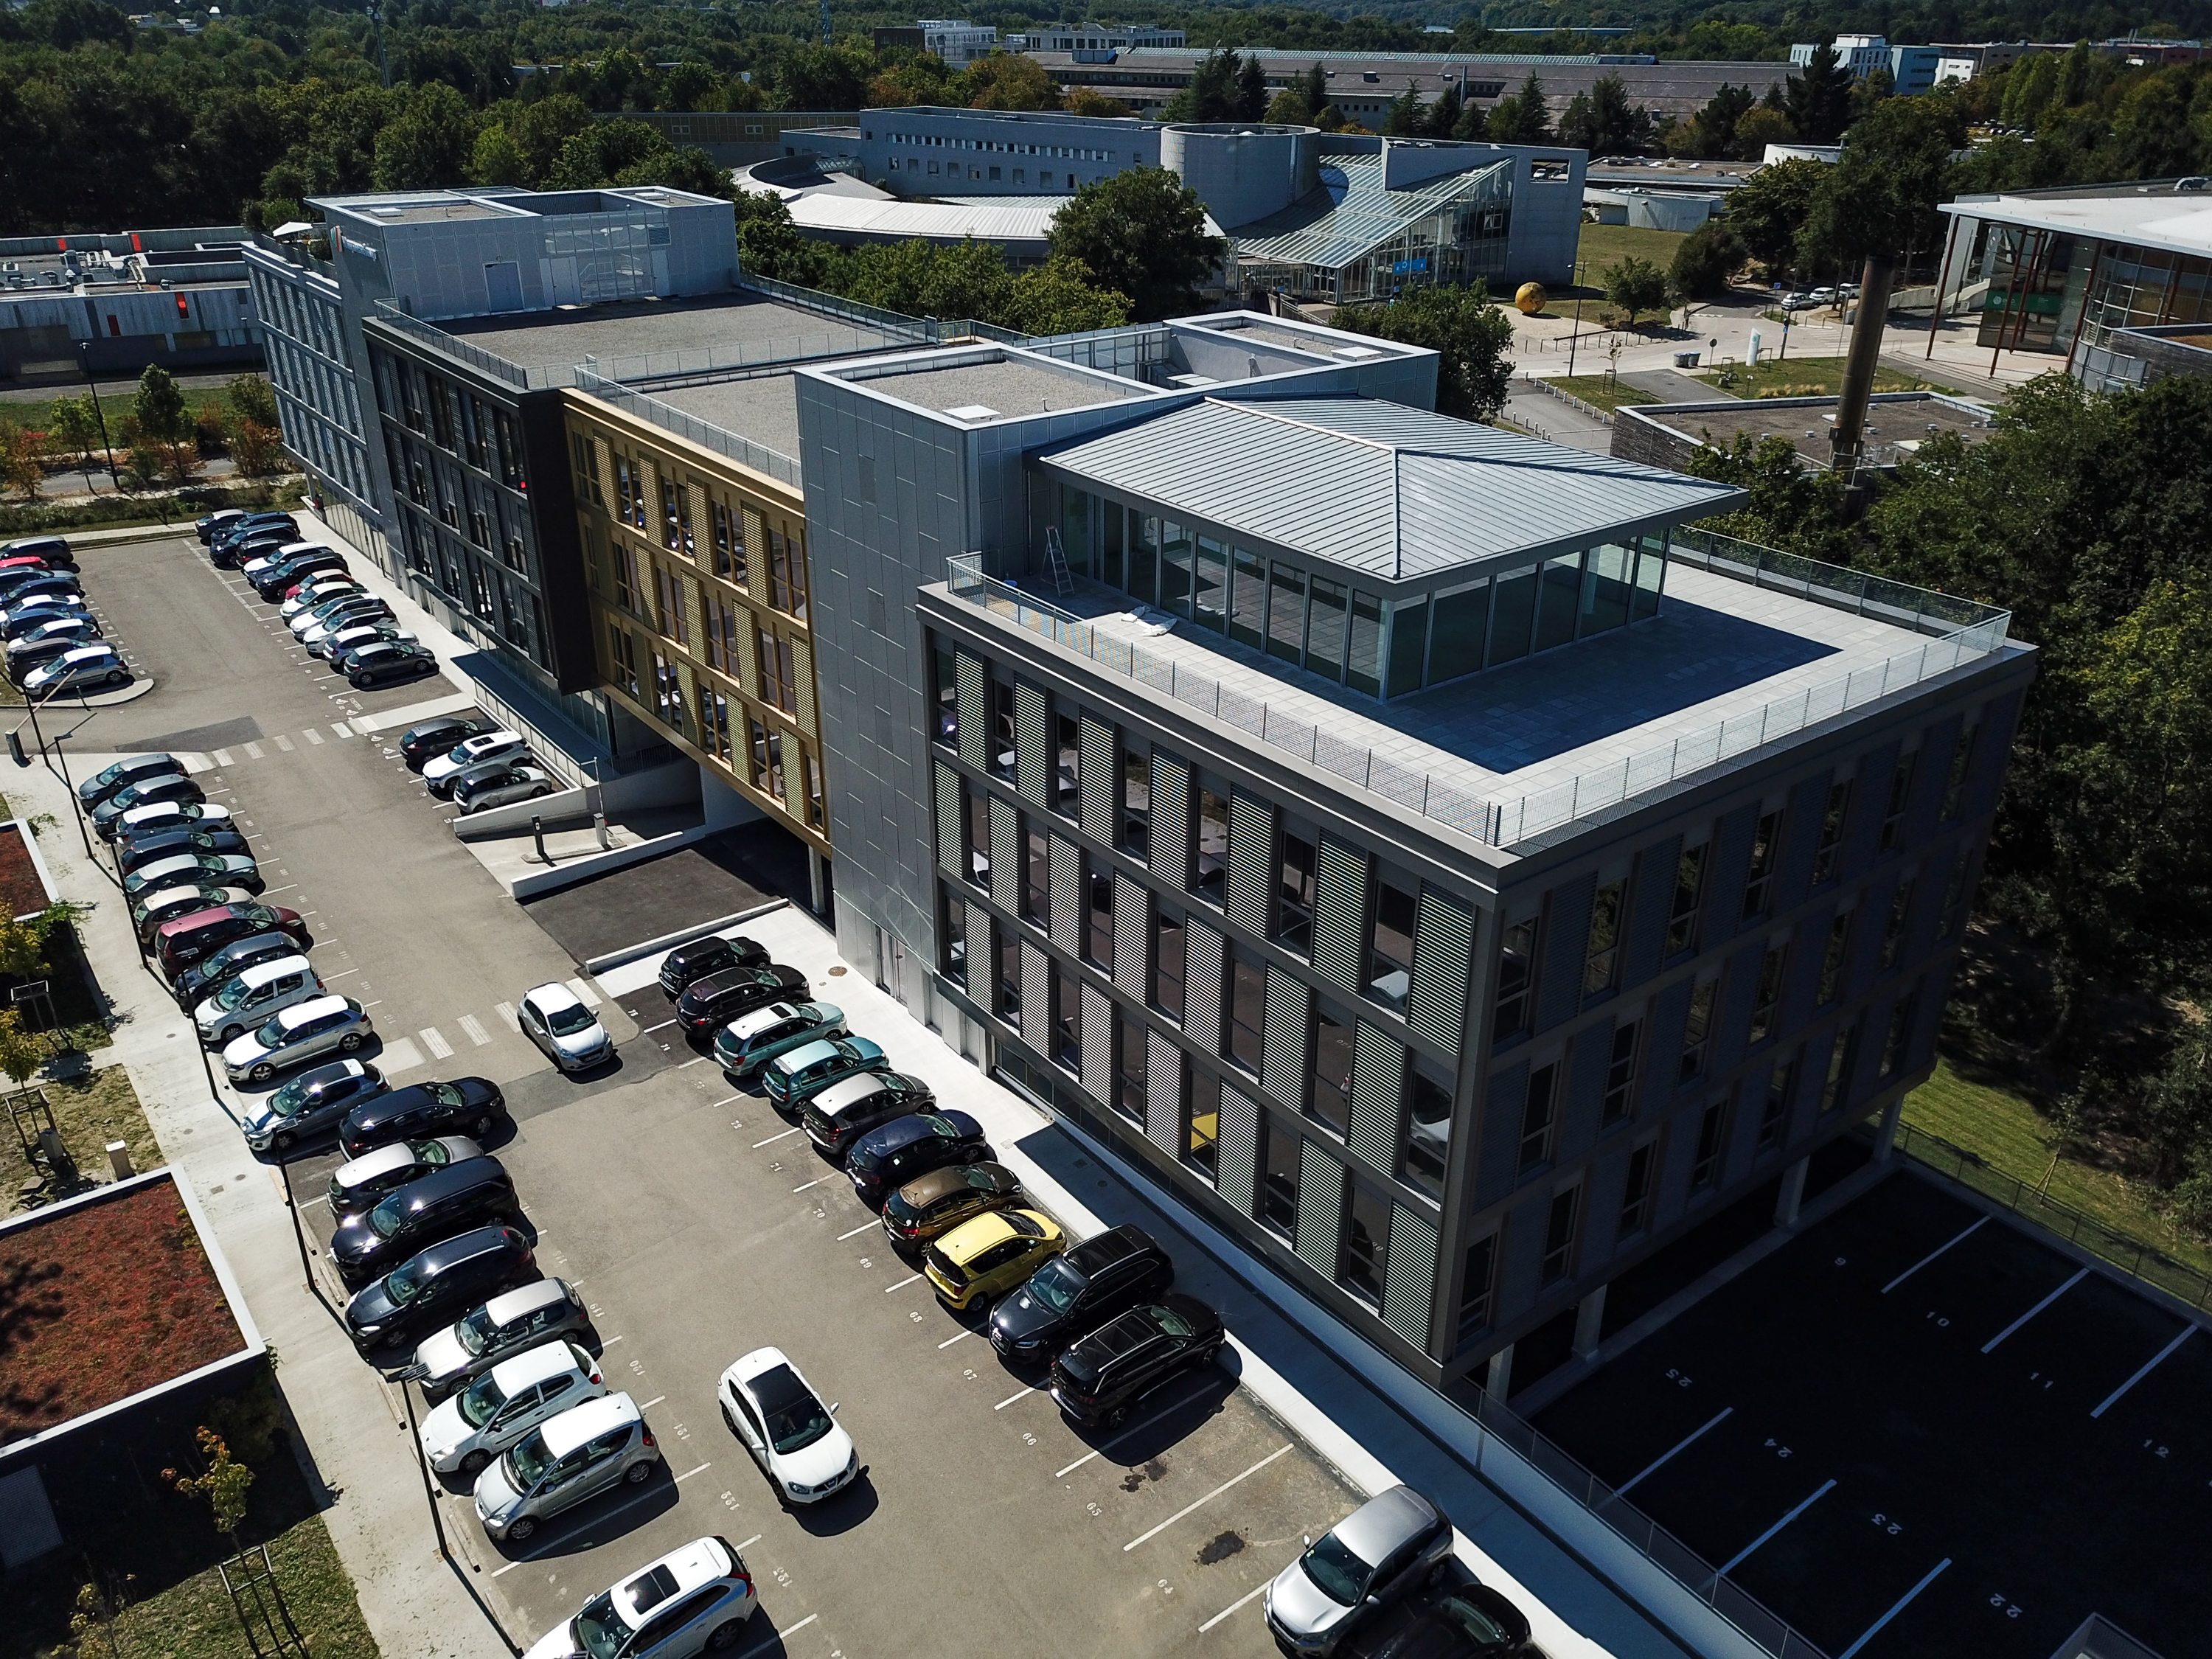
<point x="743" y="450"/>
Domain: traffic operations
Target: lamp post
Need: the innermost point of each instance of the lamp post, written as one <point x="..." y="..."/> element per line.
<point x="84" y="361"/>
<point x="1575" y="338"/>
<point x="76" y="806"/>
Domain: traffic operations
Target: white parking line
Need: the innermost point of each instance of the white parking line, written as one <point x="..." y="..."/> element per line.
<point x="506" y="1012"/>
<point x="585" y="993"/>
<point x="1237" y="1605"/>
<point x="858" y="1231"/>
<point x="1127" y="1434"/>
<point x="2036" y="1310"/>
<point x="222" y="757"/>
<point x="688" y="1473"/>
<point x="1023" y="1394"/>
<point x="255" y="751"/>
<point x="663" y="1026"/>
<point x="284" y="743"/>
<point x="772" y="1140"/>
<point x="775" y="1638"/>
<point x="817" y="1182"/>
<point x="1189" y="1508"/>
<point x="435" y="1041"/>
<point x="961" y="1337"/>
<point x="501" y="1572"/>
<point x="342" y="730"/>
<point x="650" y="1403"/>
<point x="312" y="736"/>
<point x="474" y="1027"/>
<point x="1932" y="1254"/>
<point x="2148" y="1366"/>
<point x="1683" y="1444"/>
<point x="1745" y="1553"/>
<point x="901" y="1285"/>
<point x="751" y="1541"/>
<point x="1903" y="1602"/>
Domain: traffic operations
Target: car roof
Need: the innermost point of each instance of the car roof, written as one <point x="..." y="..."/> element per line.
<point x="850" y="1090"/>
<point x="466" y="1247"/>
<point x="791" y="1059"/>
<point x="679" y="1572"/>
<point x="976" y="1235"/>
<point x="760" y="1020"/>
<point x="533" y="1365"/>
<point x="747" y="1366"/>
<point x="552" y="996"/>
<point x="300" y="1012"/>
<point x="1103" y="1250"/>
<point x="1384" y="1522"/>
<point x="444" y="1183"/>
<point x="511" y="1305"/>
<point x="572" y="1428"/>
<point x="369" y="1165"/>
<point x="262" y="972"/>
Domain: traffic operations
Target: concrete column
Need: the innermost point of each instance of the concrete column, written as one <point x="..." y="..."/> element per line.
<point x="1589" y="1319"/>
<point x="1886" y="1138"/>
<point x="816" y="897"/>
<point x="1499" y="1382"/>
<point x="1792" y="1194"/>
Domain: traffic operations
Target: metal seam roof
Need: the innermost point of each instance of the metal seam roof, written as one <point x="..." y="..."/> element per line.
<point x="1335" y="223"/>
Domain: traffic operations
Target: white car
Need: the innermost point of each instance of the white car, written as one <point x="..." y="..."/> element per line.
<point x="277" y="555"/>
<point x="554" y="1018"/>
<point x="694" y="1599"/>
<point x="253" y="995"/>
<point x="500" y="785"/>
<point x="354" y="635"/>
<point x="439" y="774"/>
<point x="514" y="1397"/>
<point x="791" y="1435"/>
<point x="307" y="616"/>
<point x="142" y="821"/>
<point x="355" y="613"/>
<point x="87" y="666"/>
<point x="319" y="590"/>
<point x="295" y="1034"/>
<point x="577" y="1454"/>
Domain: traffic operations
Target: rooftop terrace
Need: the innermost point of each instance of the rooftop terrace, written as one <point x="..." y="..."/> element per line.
<point x="990" y="385"/>
<point x="1750" y="646"/>
<point x="640" y="338"/>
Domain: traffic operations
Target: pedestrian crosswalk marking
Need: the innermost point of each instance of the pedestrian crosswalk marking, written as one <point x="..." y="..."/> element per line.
<point x="283" y="743"/>
<point x="312" y="735"/>
<point x="474" y="1027"/>
<point x="506" y="1012"/>
<point x="585" y="994"/>
<point x="222" y="757"/>
<point x="436" y="1042"/>
<point x="255" y="751"/>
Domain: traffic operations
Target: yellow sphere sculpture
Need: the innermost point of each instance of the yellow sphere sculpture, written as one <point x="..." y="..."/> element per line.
<point x="1531" y="298"/>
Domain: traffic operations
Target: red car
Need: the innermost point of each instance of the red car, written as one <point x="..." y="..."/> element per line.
<point x="179" y="943"/>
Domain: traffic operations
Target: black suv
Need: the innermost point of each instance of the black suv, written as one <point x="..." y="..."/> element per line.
<point x="421" y="745"/>
<point x="709" y="1004"/>
<point x="1097" y="1380"/>
<point x="469" y="1193"/>
<point x="1076" y="1293"/>
<point x="429" y="1291"/>
<point x="687" y="965"/>
<point x="470" y="1106"/>
<point x="888" y="1157"/>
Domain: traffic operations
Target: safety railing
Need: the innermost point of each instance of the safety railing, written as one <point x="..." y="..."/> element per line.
<point x="922" y="330"/>
<point x="526" y="379"/>
<point x="743" y="450"/>
<point x="1507" y="822"/>
<point x="739" y="355"/>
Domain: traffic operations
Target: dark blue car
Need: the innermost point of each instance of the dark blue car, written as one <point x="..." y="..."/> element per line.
<point x="886" y="1158"/>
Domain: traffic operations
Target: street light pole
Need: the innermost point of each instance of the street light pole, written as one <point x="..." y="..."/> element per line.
<point x="84" y="361"/>
<point x="1575" y="338"/>
<point x="76" y="806"/>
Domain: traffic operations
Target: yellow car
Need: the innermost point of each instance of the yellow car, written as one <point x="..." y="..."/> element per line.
<point x="986" y="1257"/>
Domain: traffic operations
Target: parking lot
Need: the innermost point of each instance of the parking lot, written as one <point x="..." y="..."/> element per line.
<point x="698" y="1224"/>
<point x="1917" y="1429"/>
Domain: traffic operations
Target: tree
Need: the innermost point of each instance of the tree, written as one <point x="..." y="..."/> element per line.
<point x="1704" y="259"/>
<point x="1602" y="122"/>
<point x="823" y="77"/>
<point x="1790" y="505"/>
<point x="1759" y="128"/>
<point x="258" y="450"/>
<point x="1520" y="118"/>
<point x="21" y="1053"/>
<point x="252" y="398"/>
<point x="1060" y="297"/>
<point x="2151" y="128"/>
<point x="73" y="429"/>
<point x="688" y="168"/>
<point x="1443" y="114"/>
<point x="1089" y="101"/>
<point x="427" y="142"/>
<point x="1474" y="336"/>
<point x="1818" y="99"/>
<point x="540" y="129"/>
<point x="592" y="157"/>
<point x="496" y="159"/>
<point x="1297" y="103"/>
<point x="19" y="452"/>
<point x="159" y="407"/>
<point x="1473" y="125"/>
<point x="1008" y="80"/>
<point x="1143" y="233"/>
<point x="1766" y="211"/>
<point x="1636" y="286"/>
<point x="1407" y="117"/>
<point x="1251" y="90"/>
<point x="1214" y="93"/>
<point x="224" y="1482"/>
<point x="1711" y="132"/>
<point x="1881" y="198"/>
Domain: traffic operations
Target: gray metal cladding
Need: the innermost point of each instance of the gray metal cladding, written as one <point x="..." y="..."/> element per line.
<point x="1066" y="874"/>
<point x="1097" y="1045"/>
<point x="1726" y="876"/>
<point x="973" y="685"/>
<point x="1033" y="756"/>
<point x="951" y="852"/>
<point x="1340" y="913"/>
<point x="1650" y="895"/>
<point x="1251" y="849"/>
<point x="1133" y="936"/>
<point x="1584" y="1093"/>
<point x="1239" y="1149"/>
<point x="1036" y="998"/>
<point x="1508" y="1092"/>
<point x="1862" y="835"/>
<point x="1322" y="1185"/>
<point x="1171" y="821"/>
<point x="1095" y="778"/>
<point x="1378" y="1099"/>
<point x="1670" y="1015"/>
<point x="1443" y="964"/>
<point x="1801" y="837"/>
<point x="1163" y="1063"/>
<point x="1409" y="1275"/>
<point x="1565" y="942"/>
<point x="1284" y="1063"/>
<point x="1006" y="857"/>
<point x="1205" y="951"/>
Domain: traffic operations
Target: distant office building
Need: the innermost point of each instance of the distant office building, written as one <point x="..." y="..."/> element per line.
<point x="115" y="302"/>
<point x="1911" y="70"/>
<point x="957" y="41"/>
<point x="1862" y="54"/>
<point x="1094" y="43"/>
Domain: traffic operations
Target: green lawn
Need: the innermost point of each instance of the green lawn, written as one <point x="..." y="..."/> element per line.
<point x="114" y="404"/>
<point x="1608" y="245"/>
<point x="2014" y="1140"/>
<point x="1803" y="377"/>
<point x="1603" y="391"/>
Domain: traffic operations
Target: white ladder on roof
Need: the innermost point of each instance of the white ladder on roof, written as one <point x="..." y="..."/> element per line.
<point x="1055" y="563"/>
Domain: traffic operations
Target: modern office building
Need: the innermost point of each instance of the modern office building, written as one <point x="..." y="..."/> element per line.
<point x="956" y="41"/>
<point x="1911" y="70"/>
<point x="1093" y="42"/>
<point x="1400" y="838"/>
<point x="2059" y="273"/>
<point x="110" y="304"/>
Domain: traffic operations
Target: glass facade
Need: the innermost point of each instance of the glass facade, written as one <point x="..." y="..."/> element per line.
<point x="1319" y="620"/>
<point x="1456" y="240"/>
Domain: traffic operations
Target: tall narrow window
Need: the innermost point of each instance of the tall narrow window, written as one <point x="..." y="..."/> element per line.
<point x="1620" y="1071"/>
<point x="1636" y="1191"/>
<point x="1705" y="1167"/>
<point x="1697" y="1031"/>
<point x="1098" y="934"/>
<point x="952" y="939"/>
<point x="1843" y="1061"/>
<point x="1955" y="894"/>
<point x="1212" y="847"/>
<point x="1602" y="956"/>
<point x="1954" y="783"/>
<point x="1066" y="1018"/>
<point x="1067" y="765"/>
<point x="1390" y="958"/>
<point x="1332" y="1072"/>
<point x="1248" y="1007"/>
<point x="1781" y="1090"/>
<point x="1765" y="847"/>
<point x="1202" y="1147"/>
<point x="1279" y="1190"/>
<point x="1901" y="796"/>
<point x="1135" y="833"/>
<point x="1560" y="1238"/>
<point x="1167" y="992"/>
<point x="1516" y="974"/>
<point x="1002" y="726"/>
<point x="1689" y="898"/>
<point x="1366" y="1245"/>
<point x="1294" y="894"/>
<point x="1010" y="975"/>
<point x="1830" y="848"/>
<point x="978" y="808"/>
<point x="1833" y="958"/>
<point x="945" y="729"/>
<point x="1037" y="875"/>
<point x="1474" y="1288"/>
<point x="1897" y="1040"/>
<point x="729" y="543"/>
<point x="1428" y="1143"/>
<point x="1536" y="1114"/>
<point x="1768" y="998"/>
<point x="817" y="802"/>
<point x="1900" y="912"/>
<point x="1129" y="1067"/>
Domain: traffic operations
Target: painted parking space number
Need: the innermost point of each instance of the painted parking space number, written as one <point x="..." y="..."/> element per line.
<point x="1778" y="1448"/>
<point x="1887" y="1525"/>
<point x="1679" y="1379"/>
<point x="2006" y="1606"/>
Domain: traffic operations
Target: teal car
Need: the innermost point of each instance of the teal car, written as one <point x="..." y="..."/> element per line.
<point x="797" y="1075"/>
<point x="748" y="1042"/>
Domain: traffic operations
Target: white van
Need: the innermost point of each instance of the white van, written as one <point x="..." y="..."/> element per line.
<point x="245" y="1002"/>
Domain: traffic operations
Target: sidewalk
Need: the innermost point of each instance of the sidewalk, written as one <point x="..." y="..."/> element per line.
<point x="413" y="1603"/>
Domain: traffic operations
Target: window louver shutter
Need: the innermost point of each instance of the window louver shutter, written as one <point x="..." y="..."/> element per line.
<point x="1409" y="1276"/>
<point x="1006" y="857"/>
<point x="1378" y="1095"/>
<point x="1170" y="820"/>
<point x="1201" y="1007"/>
<point x="1133" y="934"/>
<point x="1321" y="1209"/>
<point x="1163" y="1094"/>
<point x="1096" y="778"/>
<point x="802" y="672"/>
<point x="1283" y="1065"/>
<point x="949" y="849"/>
<point x="974" y="714"/>
<point x="1066" y="877"/>
<point x="1341" y="915"/>
<point x="1239" y="1148"/>
<point x="1251" y="840"/>
<point x="1036" y="998"/>
<point x="1032" y="746"/>
<point x="748" y="658"/>
<point x="1443" y="956"/>
<point x="1097" y="1045"/>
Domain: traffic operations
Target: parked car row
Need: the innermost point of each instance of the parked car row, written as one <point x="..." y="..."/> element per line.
<point x="53" y="641"/>
<point x="331" y="613"/>
<point x="475" y="764"/>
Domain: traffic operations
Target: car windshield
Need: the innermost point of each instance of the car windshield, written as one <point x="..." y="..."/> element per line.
<point x="796" y="1418"/>
<point x="1056" y="1285"/>
<point x="444" y="1093"/>
<point x="433" y="1154"/>
<point x="1341" y="1575"/>
<point x="233" y="993"/>
<point x="598" y="1632"/>
<point x="402" y="1285"/>
<point x="1478" y="1625"/>
<point x="271" y="1036"/>
<point x="566" y="1021"/>
<point x="475" y="1332"/>
<point x="1171" y="1322"/>
<point x="482" y="1398"/>
<point x="532" y="1462"/>
<point x="294" y="1096"/>
<point x="387" y="1217"/>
